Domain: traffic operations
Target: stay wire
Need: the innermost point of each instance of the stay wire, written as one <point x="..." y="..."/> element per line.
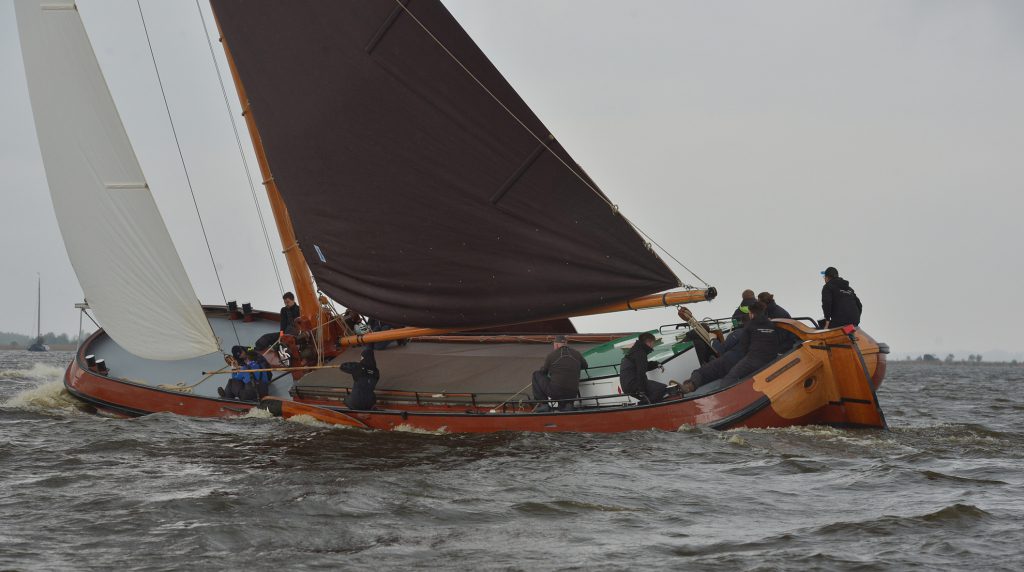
<point x="241" y="152"/>
<point x="542" y="142"/>
<point x="184" y="168"/>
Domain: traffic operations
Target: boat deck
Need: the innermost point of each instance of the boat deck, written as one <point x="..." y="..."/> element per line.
<point x="154" y="373"/>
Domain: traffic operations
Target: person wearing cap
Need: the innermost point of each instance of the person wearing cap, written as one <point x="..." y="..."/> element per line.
<point x="633" y="370"/>
<point x="559" y="377"/>
<point x="839" y="302"/>
<point x="760" y="345"/>
<point x="774" y="311"/>
<point x="742" y="315"/>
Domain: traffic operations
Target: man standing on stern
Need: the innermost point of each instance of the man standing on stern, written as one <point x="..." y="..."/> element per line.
<point x="839" y="302"/>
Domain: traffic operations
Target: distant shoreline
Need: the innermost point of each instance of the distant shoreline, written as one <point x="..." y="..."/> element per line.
<point x="53" y="348"/>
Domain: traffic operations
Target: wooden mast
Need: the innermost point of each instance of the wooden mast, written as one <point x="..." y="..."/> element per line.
<point x="302" y="278"/>
<point x="652" y="301"/>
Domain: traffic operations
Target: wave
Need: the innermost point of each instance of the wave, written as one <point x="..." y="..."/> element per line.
<point x="257" y="413"/>
<point x="50" y="396"/>
<point x="38" y="372"/>
<point x="404" y="428"/>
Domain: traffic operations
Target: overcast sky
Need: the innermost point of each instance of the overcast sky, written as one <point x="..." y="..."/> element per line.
<point x="758" y="141"/>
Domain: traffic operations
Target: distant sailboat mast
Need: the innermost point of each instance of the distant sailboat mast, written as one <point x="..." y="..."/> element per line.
<point x="39" y="308"/>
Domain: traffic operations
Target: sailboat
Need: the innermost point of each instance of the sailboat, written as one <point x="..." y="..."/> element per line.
<point x="38" y="345"/>
<point x="411" y="181"/>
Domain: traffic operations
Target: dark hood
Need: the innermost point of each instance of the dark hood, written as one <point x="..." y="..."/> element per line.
<point x="839" y="283"/>
<point x="640" y="346"/>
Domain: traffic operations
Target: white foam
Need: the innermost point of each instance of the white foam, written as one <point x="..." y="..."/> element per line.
<point x="39" y="371"/>
<point x="257" y="413"/>
<point x="309" y="421"/>
<point x="443" y="430"/>
<point x="50" y="396"/>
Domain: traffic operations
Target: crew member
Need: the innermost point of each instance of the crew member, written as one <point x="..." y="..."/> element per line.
<point x="740" y="316"/>
<point x="365" y="376"/>
<point x="633" y="371"/>
<point x="761" y="345"/>
<point x="260" y="379"/>
<point x="289" y="313"/>
<point x="236" y="383"/>
<point x="559" y="378"/>
<point x="731" y="352"/>
<point x="774" y="311"/>
<point x="839" y="302"/>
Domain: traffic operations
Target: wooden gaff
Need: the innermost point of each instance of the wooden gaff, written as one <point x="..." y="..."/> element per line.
<point x="652" y="301"/>
<point x="302" y="278"/>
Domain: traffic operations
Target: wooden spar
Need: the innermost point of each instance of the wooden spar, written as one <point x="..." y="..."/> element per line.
<point x="273" y="369"/>
<point x="652" y="301"/>
<point x="302" y="279"/>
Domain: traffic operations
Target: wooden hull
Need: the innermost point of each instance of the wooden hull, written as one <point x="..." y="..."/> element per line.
<point x="828" y="380"/>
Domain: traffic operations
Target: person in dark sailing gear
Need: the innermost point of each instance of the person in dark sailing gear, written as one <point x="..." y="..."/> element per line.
<point x="365" y="376"/>
<point x="774" y="311"/>
<point x="236" y="383"/>
<point x="633" y="371"/>
<point x="559" y="378"/>
<point x="740" y="316"/>
<point x="761" y="345"/>
<point x="839" y="302"/>
<point x="261" y="379"/>
<point x="289" y="313"/>
<point x="731" y="352"/>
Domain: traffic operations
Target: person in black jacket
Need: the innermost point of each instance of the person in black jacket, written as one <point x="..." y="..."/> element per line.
<point x="289" y="313"/>
<point x="839" y="302"/>
<point x="731" y="352"/>
<point x="559" y="377"/>
<point x="761" y="345"/>
<point x="365" y="376"/>
<point x="740" y="315"/>
<point x="774" y="311"/>
<point x="633" y="371"/>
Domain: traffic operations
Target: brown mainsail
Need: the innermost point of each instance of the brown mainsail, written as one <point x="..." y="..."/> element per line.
<point x="422" y="188"/>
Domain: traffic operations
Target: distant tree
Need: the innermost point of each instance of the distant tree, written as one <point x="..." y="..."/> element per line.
<point x="977" y="358"/>
<point x="950" y="358"/>
<point x="1013" y="362"/>
<point x="930" y="358"/>
<point x="14" y="344"/>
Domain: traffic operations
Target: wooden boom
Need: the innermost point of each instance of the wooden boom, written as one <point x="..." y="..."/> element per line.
<point x="652" y="301"/>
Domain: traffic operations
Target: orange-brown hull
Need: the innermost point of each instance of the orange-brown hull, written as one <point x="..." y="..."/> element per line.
<point x="829" y="380"/>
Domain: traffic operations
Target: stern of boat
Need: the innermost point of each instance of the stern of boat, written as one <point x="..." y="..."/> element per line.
<point x="829" y="379"/>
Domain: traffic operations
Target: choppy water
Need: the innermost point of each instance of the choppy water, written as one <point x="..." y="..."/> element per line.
<point x="941" y="490"/>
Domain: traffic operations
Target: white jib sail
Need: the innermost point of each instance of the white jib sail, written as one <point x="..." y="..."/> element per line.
<point x="115" y="237"/>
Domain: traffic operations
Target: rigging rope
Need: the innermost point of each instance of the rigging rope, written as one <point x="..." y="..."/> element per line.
<point x="181" y="155"/>
<point x="543" y="143"/>
<point x="241" y="152"/>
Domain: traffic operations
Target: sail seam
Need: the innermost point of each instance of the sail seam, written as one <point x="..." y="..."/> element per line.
<point x="614" y="207"/>
<point x="518" y="174"/>
<point x="383" y="29"/>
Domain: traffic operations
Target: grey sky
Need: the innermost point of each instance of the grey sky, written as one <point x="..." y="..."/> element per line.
<point x="759" y="142"/>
